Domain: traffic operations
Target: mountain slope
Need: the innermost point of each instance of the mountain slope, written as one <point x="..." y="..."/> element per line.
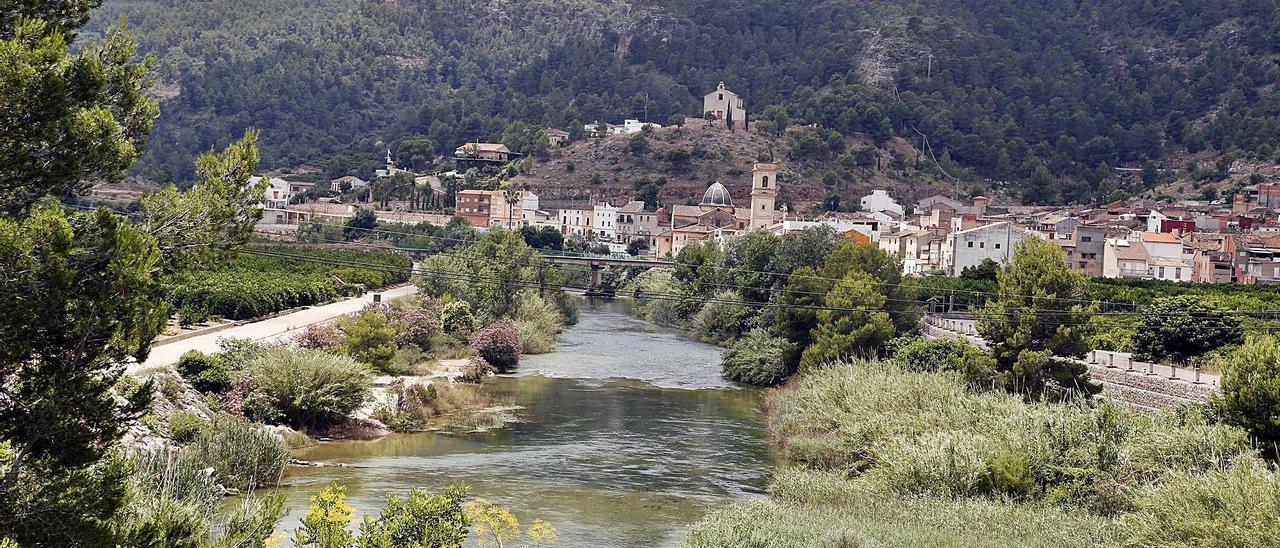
<point x="1041" y="99"/>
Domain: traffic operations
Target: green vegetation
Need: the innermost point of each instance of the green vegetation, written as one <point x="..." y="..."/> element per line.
<point x="826" y="296"/>
<point x="309" y="388"/>
<point x="897" y="457"/>
<point x="419" y="520"/>
<point x="1250" y="391"/>
<point x="997" y="95"/>
<point x="251" y="285"/>
<point x="498" y="345"/>
<point x="242" y="454"/>
<point x="757" y="358"/>
<point x="82" y="289"/>
<point x="1182" y="329"/>
<point x="1034" y="323"/>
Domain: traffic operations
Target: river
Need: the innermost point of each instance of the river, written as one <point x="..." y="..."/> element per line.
<point x="626" y="436"/>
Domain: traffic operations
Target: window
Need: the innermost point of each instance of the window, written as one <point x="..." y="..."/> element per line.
<point x="721" y="97"/>
<point x="1162" y="272"/>
<point x="970" y="244"/>
<point x="764" y="181"/>
<point x="1086" y="238"/>
<point x="982" y="245"/>
<point x="997" y="246"/>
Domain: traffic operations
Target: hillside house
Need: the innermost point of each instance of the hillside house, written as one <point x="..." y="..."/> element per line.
<point x="556" y="137"/>
<point x="880" y="200"/>
<point x="727" y="107"/>
<point x="487" y="152"/>
<point x="475" y="206"/>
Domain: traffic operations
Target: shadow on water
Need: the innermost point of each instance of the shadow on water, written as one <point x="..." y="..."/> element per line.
<point x="627" y="435"/>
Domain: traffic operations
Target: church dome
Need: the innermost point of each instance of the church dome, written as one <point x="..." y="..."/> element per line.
<point x="717" y="195"/>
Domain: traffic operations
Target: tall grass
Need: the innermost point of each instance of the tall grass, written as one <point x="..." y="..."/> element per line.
<point x="538" y="323"/>
<point x="243" y="455"/>
<point x="902" y="458"/>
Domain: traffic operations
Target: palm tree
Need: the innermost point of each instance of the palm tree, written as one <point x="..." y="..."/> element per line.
<point x="512" y="195"/>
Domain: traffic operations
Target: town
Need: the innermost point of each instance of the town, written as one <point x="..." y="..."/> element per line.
<point x="1203" y="241"/>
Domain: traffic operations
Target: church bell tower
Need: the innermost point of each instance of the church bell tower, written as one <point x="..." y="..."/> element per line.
<point x="764" y="192"/>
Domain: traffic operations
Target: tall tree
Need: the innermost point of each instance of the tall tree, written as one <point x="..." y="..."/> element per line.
<point x="1036" y="322"/>
<point x="1182" y="328"/>
<point x="81" y="292"/>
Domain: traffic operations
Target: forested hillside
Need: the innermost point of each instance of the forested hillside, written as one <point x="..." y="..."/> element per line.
<point x="1045" y="95"/>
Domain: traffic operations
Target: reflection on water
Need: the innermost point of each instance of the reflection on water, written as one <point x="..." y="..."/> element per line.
<point x="609" y="461"/>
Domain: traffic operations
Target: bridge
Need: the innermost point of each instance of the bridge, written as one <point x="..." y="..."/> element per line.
<point x="597" y="263"/>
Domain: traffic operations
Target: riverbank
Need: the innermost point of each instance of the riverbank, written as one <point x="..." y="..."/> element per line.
<point x="879" y="456"/>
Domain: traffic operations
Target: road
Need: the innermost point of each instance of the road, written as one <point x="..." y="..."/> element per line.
<point x="271" y="328"/>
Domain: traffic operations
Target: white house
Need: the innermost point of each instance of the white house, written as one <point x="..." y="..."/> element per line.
<point x="994" y="241"/>
<point x="1124" y="259"/>
<point x="1154" y="219"/>
<point x="879" y="200"/>
<point x="277" y="192"/>
<point x="604" y="222"/>
<point x="631" y="126"/>
<point x="1170" y="270"/>
<point x="1162" y="245"/>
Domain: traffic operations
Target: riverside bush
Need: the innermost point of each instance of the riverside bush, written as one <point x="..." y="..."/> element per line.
<point x="935" y="355"/>
<point x="758" y="358"/>
<point x="722" y="320"/>
<point x="319" y="336"/>
<point x="416" y="327"/>
<point x="499" y="345"/>
<point x="537" y="323"/>
<point x="368" y="338"/>
<point x="310" y="388"/>
<point x="208" y="374"/>
<point x="903" y="458"/>
<point x="242" y="454"/>
<point x="925" y="433"/>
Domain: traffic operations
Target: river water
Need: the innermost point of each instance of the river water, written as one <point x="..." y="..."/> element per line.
<point x="626" y="436"/>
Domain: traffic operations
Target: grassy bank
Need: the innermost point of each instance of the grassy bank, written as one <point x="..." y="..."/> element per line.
<point x="881" y="456"/>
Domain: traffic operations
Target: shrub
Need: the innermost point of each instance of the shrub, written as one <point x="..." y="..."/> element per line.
<point x="568" y="307"/>
<point x="499" y="345"/>
<point x="937" y="355"/>
<point x="475" y="370"/>
<point x="1237" y="506"/>
<point x="1250" y="392"/>
<point x="368" y="339"/>
<point x="416" y="327"/>
<point x="534" y="338"/>
<point x="170" y="501"/>
<point x="185" y="426"/>
<point x="319" y="336"/>
<point x="1182" y="327"/>
<point x="191" y="314"/>
<point x="208" y="374"/>
<point x="242" y="454"/>
<point x="310" y="387"/>
<point x="456" y="318"/>
<point x="722" y="320"/>
<point x="537" y="324"/>
<point x="419" y="519"/>
<point x="756" y="359"/>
